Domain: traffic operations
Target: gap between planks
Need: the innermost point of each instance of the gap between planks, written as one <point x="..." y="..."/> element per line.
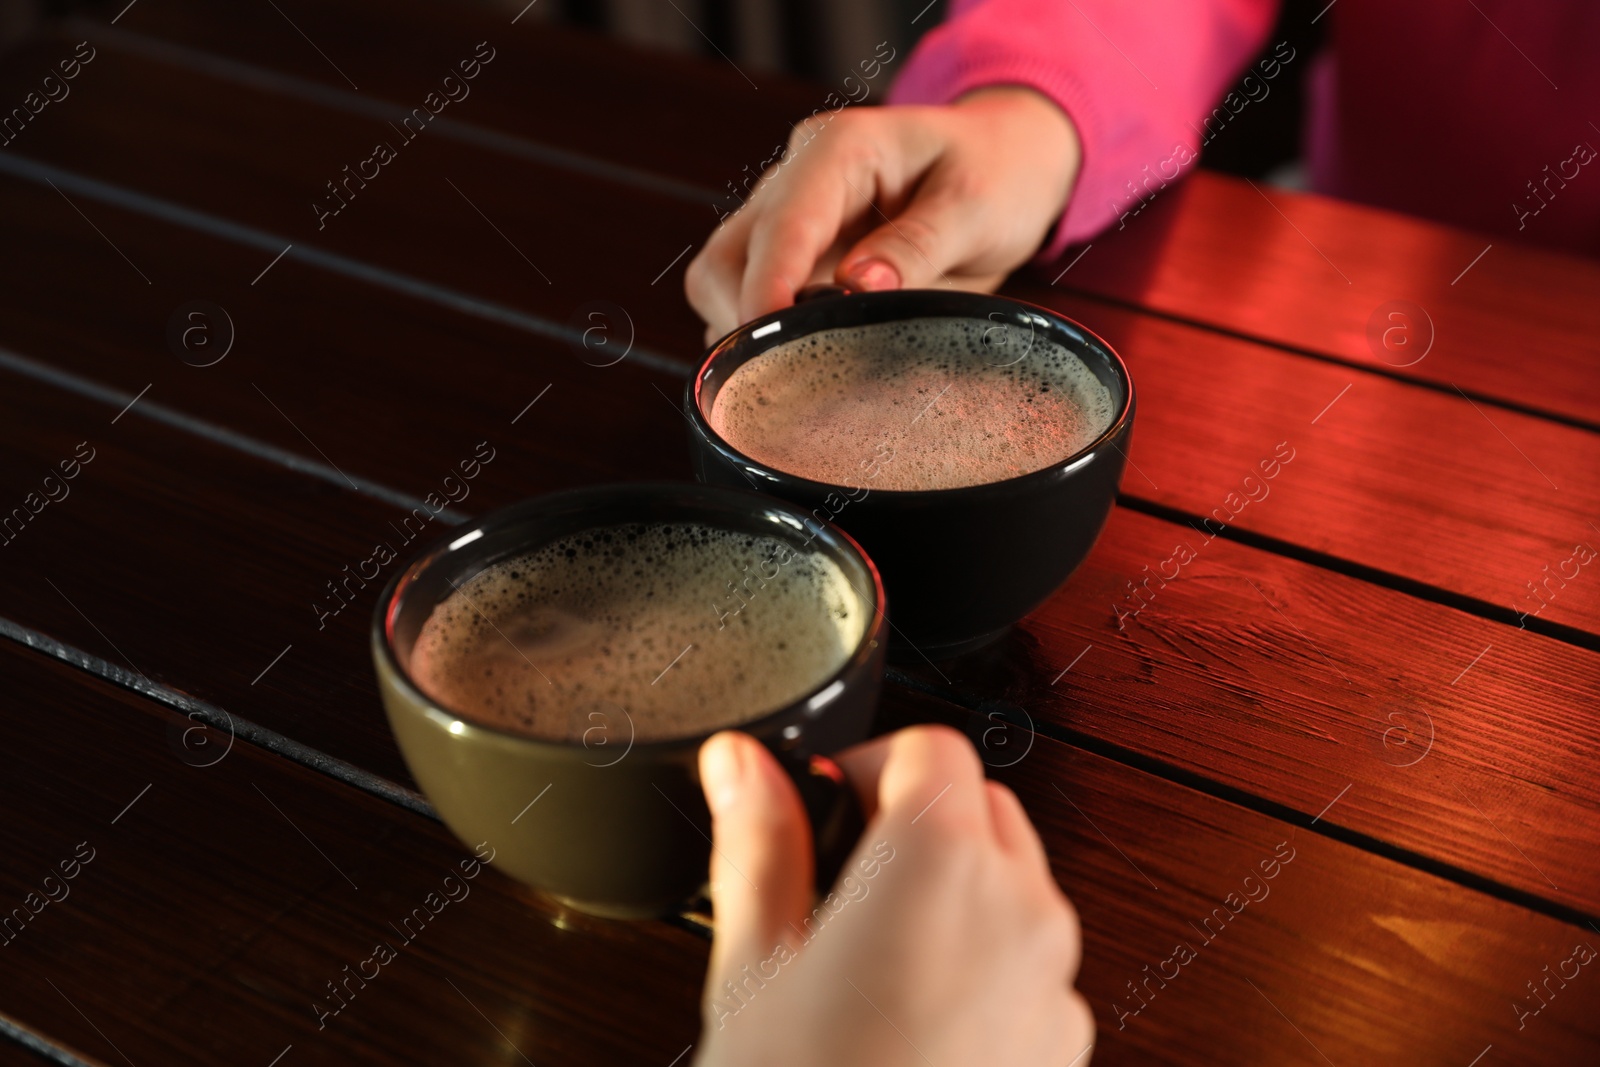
<point x="976" y="710"/>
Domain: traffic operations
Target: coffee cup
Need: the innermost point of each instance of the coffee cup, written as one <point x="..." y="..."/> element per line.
<point x="603" y="810"/>
<point x="979" y="530"/>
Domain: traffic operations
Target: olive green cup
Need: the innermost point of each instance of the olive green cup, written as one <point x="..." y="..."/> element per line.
<point x="606" y="825"/>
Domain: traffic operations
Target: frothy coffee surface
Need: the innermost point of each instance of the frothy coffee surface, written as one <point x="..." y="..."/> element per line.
<point x="643" y="620"/>
<point x="933" y="403"/>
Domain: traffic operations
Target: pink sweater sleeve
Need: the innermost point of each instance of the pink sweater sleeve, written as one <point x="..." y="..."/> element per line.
<point x="1137" y="79"/>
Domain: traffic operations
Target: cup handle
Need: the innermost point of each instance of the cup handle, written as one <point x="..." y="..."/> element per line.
<point x="812" y="292"/>
<point x="835" y="813"/>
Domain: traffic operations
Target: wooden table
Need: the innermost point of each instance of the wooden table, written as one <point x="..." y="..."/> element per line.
<point x="1353" y="669"/>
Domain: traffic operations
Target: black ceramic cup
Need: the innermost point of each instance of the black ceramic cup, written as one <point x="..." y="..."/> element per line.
<point x="961" y="565"/>
<point x="606" y="825"/>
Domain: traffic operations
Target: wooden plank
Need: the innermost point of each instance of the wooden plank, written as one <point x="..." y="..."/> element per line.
<point x="396" y="51"/>
<point x="1219" y="687"/>
<point x="1373" y="1032"/>
<point x="1314" y="273"/>
<point x="1398" y="458"/>
<point x="1347" y="924"/>
<point x="387" y="355"/>
<point x="1302" y="686"/>
<point x="22" y="1048"/>
<point x="227" y="885"/>
<point x="202" y="569"/>
<point x="563" y="242"/>
<point x="376" y="383"/>
<point x="386" y="450"/>
<point x="216" y="903"/>
<point x="1381" y="468"/>
<point x="1209" y="250"/>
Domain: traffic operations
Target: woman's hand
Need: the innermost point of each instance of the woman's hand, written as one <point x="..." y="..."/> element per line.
<point x="893" y="197"/>
<point x="945" y="940"/>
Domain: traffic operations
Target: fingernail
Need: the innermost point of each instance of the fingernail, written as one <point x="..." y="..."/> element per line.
<point x="723" y="768"/>
<point x="873" y="275"/>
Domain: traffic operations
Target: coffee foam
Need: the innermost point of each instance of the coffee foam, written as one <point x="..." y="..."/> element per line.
<point x="933" y="403"/>
<point x="561" y="642"/>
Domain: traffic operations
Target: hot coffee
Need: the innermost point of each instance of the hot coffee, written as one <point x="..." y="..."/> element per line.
<point x="927" y="403"/>
<point x="686" y="627"/>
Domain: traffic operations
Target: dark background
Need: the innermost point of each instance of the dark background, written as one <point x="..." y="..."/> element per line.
<point x="818" y="40"/>
<point x="821" y="41"/>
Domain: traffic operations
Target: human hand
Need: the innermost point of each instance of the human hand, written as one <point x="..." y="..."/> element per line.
<point x="945" y="940"/>
<point x="894" y="197"/>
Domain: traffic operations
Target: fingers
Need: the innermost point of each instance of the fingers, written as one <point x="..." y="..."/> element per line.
<point x="825" y="196"/>
<point x="933" y="776"/>
<point x="924" y="760"/>
<point x="712" y="279"/>
<point x="905" y="196"/>
<point x="761" y="860"/>
<point x="759" y="258"/>
<point x="863" y="766"/>
<point x="1020" y="840"/>
<point x="796" y="225"/>
<point x="1079" y="1019"/>
<point x="1012" y="827"/>
<point x="922" y="247"/>
<point x="927" y="773"/>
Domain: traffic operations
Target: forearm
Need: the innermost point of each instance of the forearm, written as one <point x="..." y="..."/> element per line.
<point x="1135" y="80"/>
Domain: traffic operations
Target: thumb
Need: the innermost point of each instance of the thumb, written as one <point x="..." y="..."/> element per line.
<point x="761" y="861"/>
<point x="918" y="249"/>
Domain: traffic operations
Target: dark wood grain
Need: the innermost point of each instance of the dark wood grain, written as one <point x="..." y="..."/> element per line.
<point x="563" y="88"/>
<point x="1210" y="249"/>
<point x="1310" y="272"/>
<point x="1397" y="481"/>
<point x="218" y="905"/>
<point x="227" y="884"/>
<point x="1128" y="870"/>
<point x="370" y="381"/>
<point x="26" y="1048"/>
<point x="438" y="211"/>
<point x="380" y="356"/>
<point x="1257" y="676"/>
<point x="199" y="568"/>
<point x="1382" y="467"/>
<point x="1391" y="718"/>
<point x="1279" y="690"/>
<point x="1495" y="495"/>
